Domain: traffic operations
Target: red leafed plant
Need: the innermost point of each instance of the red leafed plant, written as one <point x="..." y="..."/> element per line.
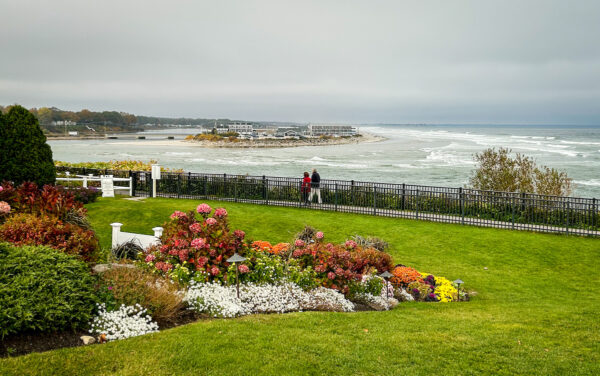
<point x="31" y="229"/>
<point x="198" y="242"/>
<point x="50" y="200"/>
<point x="337" y="265"/>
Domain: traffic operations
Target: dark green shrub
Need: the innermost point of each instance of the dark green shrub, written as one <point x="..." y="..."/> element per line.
<point x="24" y="153"/>
<point x="43" y="289"/>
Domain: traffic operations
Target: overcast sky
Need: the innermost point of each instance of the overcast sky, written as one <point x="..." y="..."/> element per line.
<point x="332" y="61"/>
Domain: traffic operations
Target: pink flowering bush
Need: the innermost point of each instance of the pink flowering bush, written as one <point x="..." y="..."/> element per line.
<point x="337" y="266"/>
<point x="203" y="209"/>
<point x="196" y="245"/>
<point x="4" y="207"/>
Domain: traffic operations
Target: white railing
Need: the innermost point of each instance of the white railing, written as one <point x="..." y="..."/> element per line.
<point x="88" y="178"/>
<point x="145" y="241"/>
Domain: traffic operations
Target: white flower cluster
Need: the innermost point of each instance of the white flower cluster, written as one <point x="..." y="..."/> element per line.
<point x="125" y="322"/>
<point x="215" y="299"/>
<point x="222" y="301"/>
<point x="378" y="303"/>
<point x="403" y="295"/>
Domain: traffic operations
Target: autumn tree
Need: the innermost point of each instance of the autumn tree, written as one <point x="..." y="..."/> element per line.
<point x="498" y="171"/>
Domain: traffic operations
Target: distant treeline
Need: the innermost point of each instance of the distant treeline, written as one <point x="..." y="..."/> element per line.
<point x="48" y="115"/>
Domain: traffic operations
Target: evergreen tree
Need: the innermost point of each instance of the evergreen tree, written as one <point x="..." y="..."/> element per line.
<point x="24" y="153"/>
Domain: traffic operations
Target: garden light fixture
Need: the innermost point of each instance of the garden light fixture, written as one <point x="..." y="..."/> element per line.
<point x="458" y="283"/>
<point x="385" y="275"/>
<point x="235" y="259"/>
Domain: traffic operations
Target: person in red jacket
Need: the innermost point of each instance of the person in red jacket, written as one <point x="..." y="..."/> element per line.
<point x="305" y="188"/>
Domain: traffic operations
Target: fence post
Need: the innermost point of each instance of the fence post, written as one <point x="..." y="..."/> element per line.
<point x="133" y="183"/>
<point x="224" y="185"/>
<point x="178" y="185"/>
<point x="417" y="203"/>
<point x="336" y="197"/>
<point x="461" y="198"/>
<point x="205" y="186"/>
<point x="267" y="191"/>
<point x="352" y="193"/>
<point x="83" y="173"/>
<point x="374" y="200"/>
<point x="235" y="183"/>
<point x="403" y="196"/>
<point x="594" y="212"/>
<point x="512" y="209"/>
<point x="567" y="212"/>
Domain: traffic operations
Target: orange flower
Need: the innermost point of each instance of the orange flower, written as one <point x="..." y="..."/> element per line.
<point x="280" y="247"/>
<point x="261" y="245"/>
<point x="403" y="275"/>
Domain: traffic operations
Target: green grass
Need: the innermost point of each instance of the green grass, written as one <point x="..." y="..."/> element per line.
<point x="536" y="310"/>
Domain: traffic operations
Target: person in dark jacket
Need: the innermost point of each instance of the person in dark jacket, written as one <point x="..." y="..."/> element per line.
<point x="315" y="184"/>
<point x="305" y="188"/>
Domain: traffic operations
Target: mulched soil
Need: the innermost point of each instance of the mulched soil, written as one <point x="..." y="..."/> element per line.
<point x="28" y="342"/>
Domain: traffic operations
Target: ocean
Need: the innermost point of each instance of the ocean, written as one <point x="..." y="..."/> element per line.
<point x="439" y="155"/>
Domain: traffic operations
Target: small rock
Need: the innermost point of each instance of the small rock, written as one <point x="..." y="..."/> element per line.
<point x="88" y="340"/>
<point x="485" y="268"/>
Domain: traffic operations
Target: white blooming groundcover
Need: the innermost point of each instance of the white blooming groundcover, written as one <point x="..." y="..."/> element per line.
<point x="124" y="322"/>
<point x="222" y="301"/>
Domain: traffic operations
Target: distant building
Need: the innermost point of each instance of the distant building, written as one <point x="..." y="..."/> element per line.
<point x="287" y="132"/>
<point x="316" y="130"/>
<point x="64" y="122"/>
<point x="241" y="128"/>
<point x="73" y="133"/>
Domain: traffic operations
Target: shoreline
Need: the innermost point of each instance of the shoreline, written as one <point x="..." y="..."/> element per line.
<point x="287" y="143"/>
<point x="242" y="144"/>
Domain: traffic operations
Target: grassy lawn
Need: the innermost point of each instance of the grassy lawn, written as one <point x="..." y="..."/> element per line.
<point x="537" y="308"/>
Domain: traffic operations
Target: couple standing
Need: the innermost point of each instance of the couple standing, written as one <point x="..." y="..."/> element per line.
<point x="311" y="185"/>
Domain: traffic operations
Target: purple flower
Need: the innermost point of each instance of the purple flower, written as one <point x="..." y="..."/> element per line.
<point x="109" y="287"/>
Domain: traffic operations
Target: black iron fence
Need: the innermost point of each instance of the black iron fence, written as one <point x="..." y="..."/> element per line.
<point x="571" y="215"/>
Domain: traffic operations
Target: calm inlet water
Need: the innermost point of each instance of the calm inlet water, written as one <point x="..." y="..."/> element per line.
<point x="440" y="155"/>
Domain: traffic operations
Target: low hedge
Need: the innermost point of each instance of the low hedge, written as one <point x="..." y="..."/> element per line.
<point x="43" y="289"/>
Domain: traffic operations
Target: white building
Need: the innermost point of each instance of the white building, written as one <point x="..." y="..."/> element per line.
<point x="241" y="128"/>
<point x="64" y="122"/>
<point x="316" y="130"/>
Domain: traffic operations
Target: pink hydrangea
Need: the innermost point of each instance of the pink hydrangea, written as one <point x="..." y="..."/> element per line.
<point x="331" y="275"/>
<point x="1" y="189"/>
<point x="4" y="207"/>
<point x="203" y="209"/>
<point x="198" y="243"/>
<point x="202" y="261"/>
<point x="220" y="213"/>
<point x="299" y="243"/>
<point x="297" y="253"/>
<point x="320" y="235"/>
<point x="244" y="269"/>
<point x="211" y="221"/>
<point x="195" y="227"/>
<point x="183" y="255"/>
<point x="150" y="258"/>
<point x="178" y="214"/>
<point x="320" y="268"/>
<point x="239" y="234"/>
<point x="214" y="270"/>
<point x="350" y="244"/>
<point x="339" y="271"/>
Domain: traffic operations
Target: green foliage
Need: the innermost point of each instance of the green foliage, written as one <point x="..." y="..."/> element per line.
<point x="498" y="171"/>
<point x="372" y="285"/>
<point x="24" y="153"/>
<point x="43" y="289"/>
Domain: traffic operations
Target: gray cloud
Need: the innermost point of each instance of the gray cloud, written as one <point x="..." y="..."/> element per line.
<point x="355" y="61"/>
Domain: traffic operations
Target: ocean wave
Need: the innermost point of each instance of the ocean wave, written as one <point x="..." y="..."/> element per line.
<point x="178" y="153"/>
<point x="591" y="182"/>
<point x="579" y="143"/>
<point x="448" y="159"/>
